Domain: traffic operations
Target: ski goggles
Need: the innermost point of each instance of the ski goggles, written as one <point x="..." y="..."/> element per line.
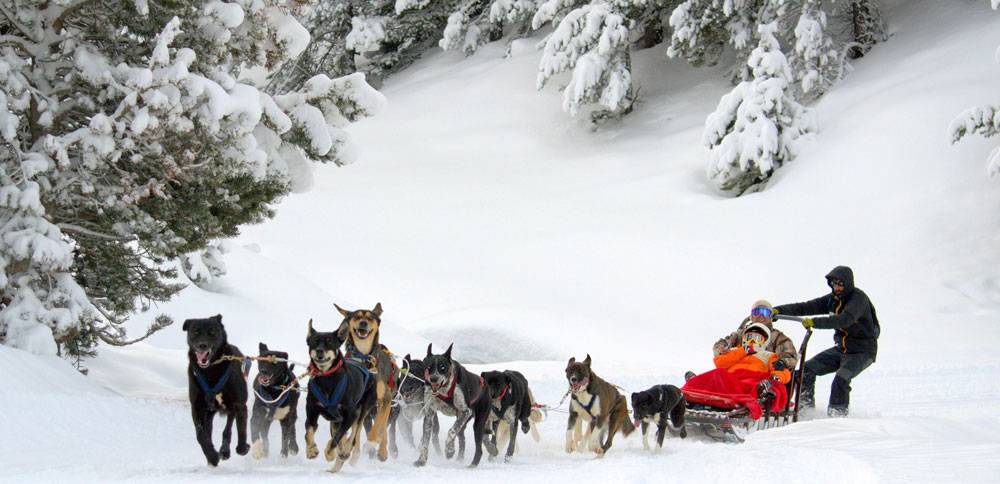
<point x="753" y="339"/>
<point x="761" y="311"/>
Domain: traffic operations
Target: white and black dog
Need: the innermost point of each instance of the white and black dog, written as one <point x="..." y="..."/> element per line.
<point x="411" y="407"/>
<point x="511" y="403"/>
<point x="276" y="397"/>
<point x="457" y="392"/>
<point x="663" y="405"/>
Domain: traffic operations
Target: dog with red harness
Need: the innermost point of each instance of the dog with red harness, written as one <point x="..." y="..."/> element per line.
<point x="456" y="392"/>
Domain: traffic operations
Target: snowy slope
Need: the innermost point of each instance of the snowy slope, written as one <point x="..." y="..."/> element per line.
<point x="489" y="220"/>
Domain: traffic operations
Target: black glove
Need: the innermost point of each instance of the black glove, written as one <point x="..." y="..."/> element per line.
<point x="779" y="365"/>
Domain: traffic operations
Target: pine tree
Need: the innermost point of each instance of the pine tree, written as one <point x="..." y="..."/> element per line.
<point x="593" y="42"/>
<point x="132" y="136"/>
<point x="867" y="26"/>
<point x="757" y="126"/>
<point x="816" y="62"/>
<point x="984" y="121"/>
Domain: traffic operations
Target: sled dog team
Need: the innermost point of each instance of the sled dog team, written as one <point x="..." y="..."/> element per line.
<point x="354" y="383"/>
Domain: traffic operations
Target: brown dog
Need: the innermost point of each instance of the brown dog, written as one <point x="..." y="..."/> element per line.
<point x="360" y="331"/>
<point x="597" y="402"/>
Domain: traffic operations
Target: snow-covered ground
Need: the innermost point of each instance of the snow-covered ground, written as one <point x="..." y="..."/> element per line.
<point x="477" y="214"/>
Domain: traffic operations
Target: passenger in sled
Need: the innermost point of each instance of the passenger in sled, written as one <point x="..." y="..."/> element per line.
<point x="753" y="374"/>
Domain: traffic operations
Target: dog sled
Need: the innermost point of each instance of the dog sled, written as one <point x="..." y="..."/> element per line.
<point x="728" y="420"/>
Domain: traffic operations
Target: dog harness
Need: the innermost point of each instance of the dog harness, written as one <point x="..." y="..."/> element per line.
<point x="314" y="370"/>
<point x="451" y="388"/>
<point x="333" y="400"/>
<point x="210" y="391"/>
<point x="587" y="407"/>
<point x="272" y="407"/>
<point x="355" y="354"/>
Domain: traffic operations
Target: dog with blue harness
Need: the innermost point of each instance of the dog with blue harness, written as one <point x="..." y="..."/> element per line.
<point x="341" y="391"/>
<point x="276" y="398"/>
<point x="216" y="383"/>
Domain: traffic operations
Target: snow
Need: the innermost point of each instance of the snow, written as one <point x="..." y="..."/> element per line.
<point x="489" y="220"/>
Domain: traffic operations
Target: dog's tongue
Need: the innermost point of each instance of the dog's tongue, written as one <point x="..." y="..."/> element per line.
<point x="264" y="380"/>
<point x="638" y="423"/>
<point x="202" y="357"/>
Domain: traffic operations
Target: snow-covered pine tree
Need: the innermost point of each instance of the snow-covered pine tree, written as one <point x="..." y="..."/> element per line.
<point x="757" y="126"/>
<point x="593" y="42"/>
<point x="867" y="26"/>
<point x="477" y="22"/>
<point x="816" y="61"/>
<point x="984" y="121"/>
<point x="130" y="140"/>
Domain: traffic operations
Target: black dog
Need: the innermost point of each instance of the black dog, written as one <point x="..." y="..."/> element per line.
<point x="454" y="391"/>
<point x="276" y="397"/>
<point x="341" y="391"/>
<point x="510" y="402"/>
<point x="411" y="389"/>
<point x="216" y="383"/>
<point x="657" y="405"/>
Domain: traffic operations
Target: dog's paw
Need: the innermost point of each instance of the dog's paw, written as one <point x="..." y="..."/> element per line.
<point x="212" y="458"/>
<point x="383" y="453"/>
<point x="449" y="449"/>
<point x="422" y="461"/>
<point x="293" y="448"/>
<point x="312" y="451"/>
<point x="330" y="451"/>
<point x="258" y="449"/>
<point x="242" y="449"/>
<point x="599" y="451"/>
<point x="224" y="453"/>
<point x="507" y="458"/>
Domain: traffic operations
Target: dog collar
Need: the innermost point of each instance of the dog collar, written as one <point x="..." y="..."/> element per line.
<point x="314" y="370"/>
<point x="451" y="390"/>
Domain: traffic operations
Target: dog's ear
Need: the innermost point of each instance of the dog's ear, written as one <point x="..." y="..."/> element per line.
<point x="311" y="330"/>
<point x="262" y="347"/>
<point x="291" y="368"/>
<point x="447" y="352"/>
<point x="586" y="361"/>
<point x="570" y="362"/>
<point x="378" y="310"/>
<point x="429" y="345"/>
<point x="186" y="325"/>
<point x="344" y="331"/>
<point x="343" y="312"/>
<point x="407" y="358"/>
<point x="217" y="318"/>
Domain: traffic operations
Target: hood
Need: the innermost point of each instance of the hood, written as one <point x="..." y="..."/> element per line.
<point x="843" y="273"/>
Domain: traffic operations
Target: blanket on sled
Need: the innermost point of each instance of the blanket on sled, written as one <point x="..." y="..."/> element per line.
<point x="724" y="389"/>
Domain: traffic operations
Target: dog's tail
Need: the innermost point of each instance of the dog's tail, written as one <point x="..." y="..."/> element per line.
<point x="627" y="426"/>
<point x="534" y="418"/>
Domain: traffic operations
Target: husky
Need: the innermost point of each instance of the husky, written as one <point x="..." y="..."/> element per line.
<point x="216" y="383"/>
<point x="341" y="391"/>
<point x="360" y="332"/>
<point x="454" y="391"/>
<point x="276" y="397"/>
<point x="663" y="405"/>
<point x="511" y="403"/>
<point x="597" y="402"/>
<point x="411" y="407"/>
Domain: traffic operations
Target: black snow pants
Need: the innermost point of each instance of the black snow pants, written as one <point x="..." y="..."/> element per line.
<point x="847" y="366"/>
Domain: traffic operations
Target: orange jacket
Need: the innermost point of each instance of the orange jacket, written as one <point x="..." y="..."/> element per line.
<point x="762" y="361"/>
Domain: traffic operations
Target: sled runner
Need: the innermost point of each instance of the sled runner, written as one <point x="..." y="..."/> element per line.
<point x="726" y="418"/>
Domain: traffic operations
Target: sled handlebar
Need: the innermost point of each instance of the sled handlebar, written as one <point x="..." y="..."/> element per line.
<point x="789" y="318"/>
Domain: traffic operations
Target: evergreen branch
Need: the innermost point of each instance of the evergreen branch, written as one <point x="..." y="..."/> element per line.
<point x="72" y="228"/>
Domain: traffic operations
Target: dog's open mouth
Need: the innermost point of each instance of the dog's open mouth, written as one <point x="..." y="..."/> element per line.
<point x="579" y="385"/>
<point x="436" y="385"/>
<point x="638" y="423"/>
<point x="264" y="379"/>
<point x="362" y="333"/>
<point x="202" y="358"/>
